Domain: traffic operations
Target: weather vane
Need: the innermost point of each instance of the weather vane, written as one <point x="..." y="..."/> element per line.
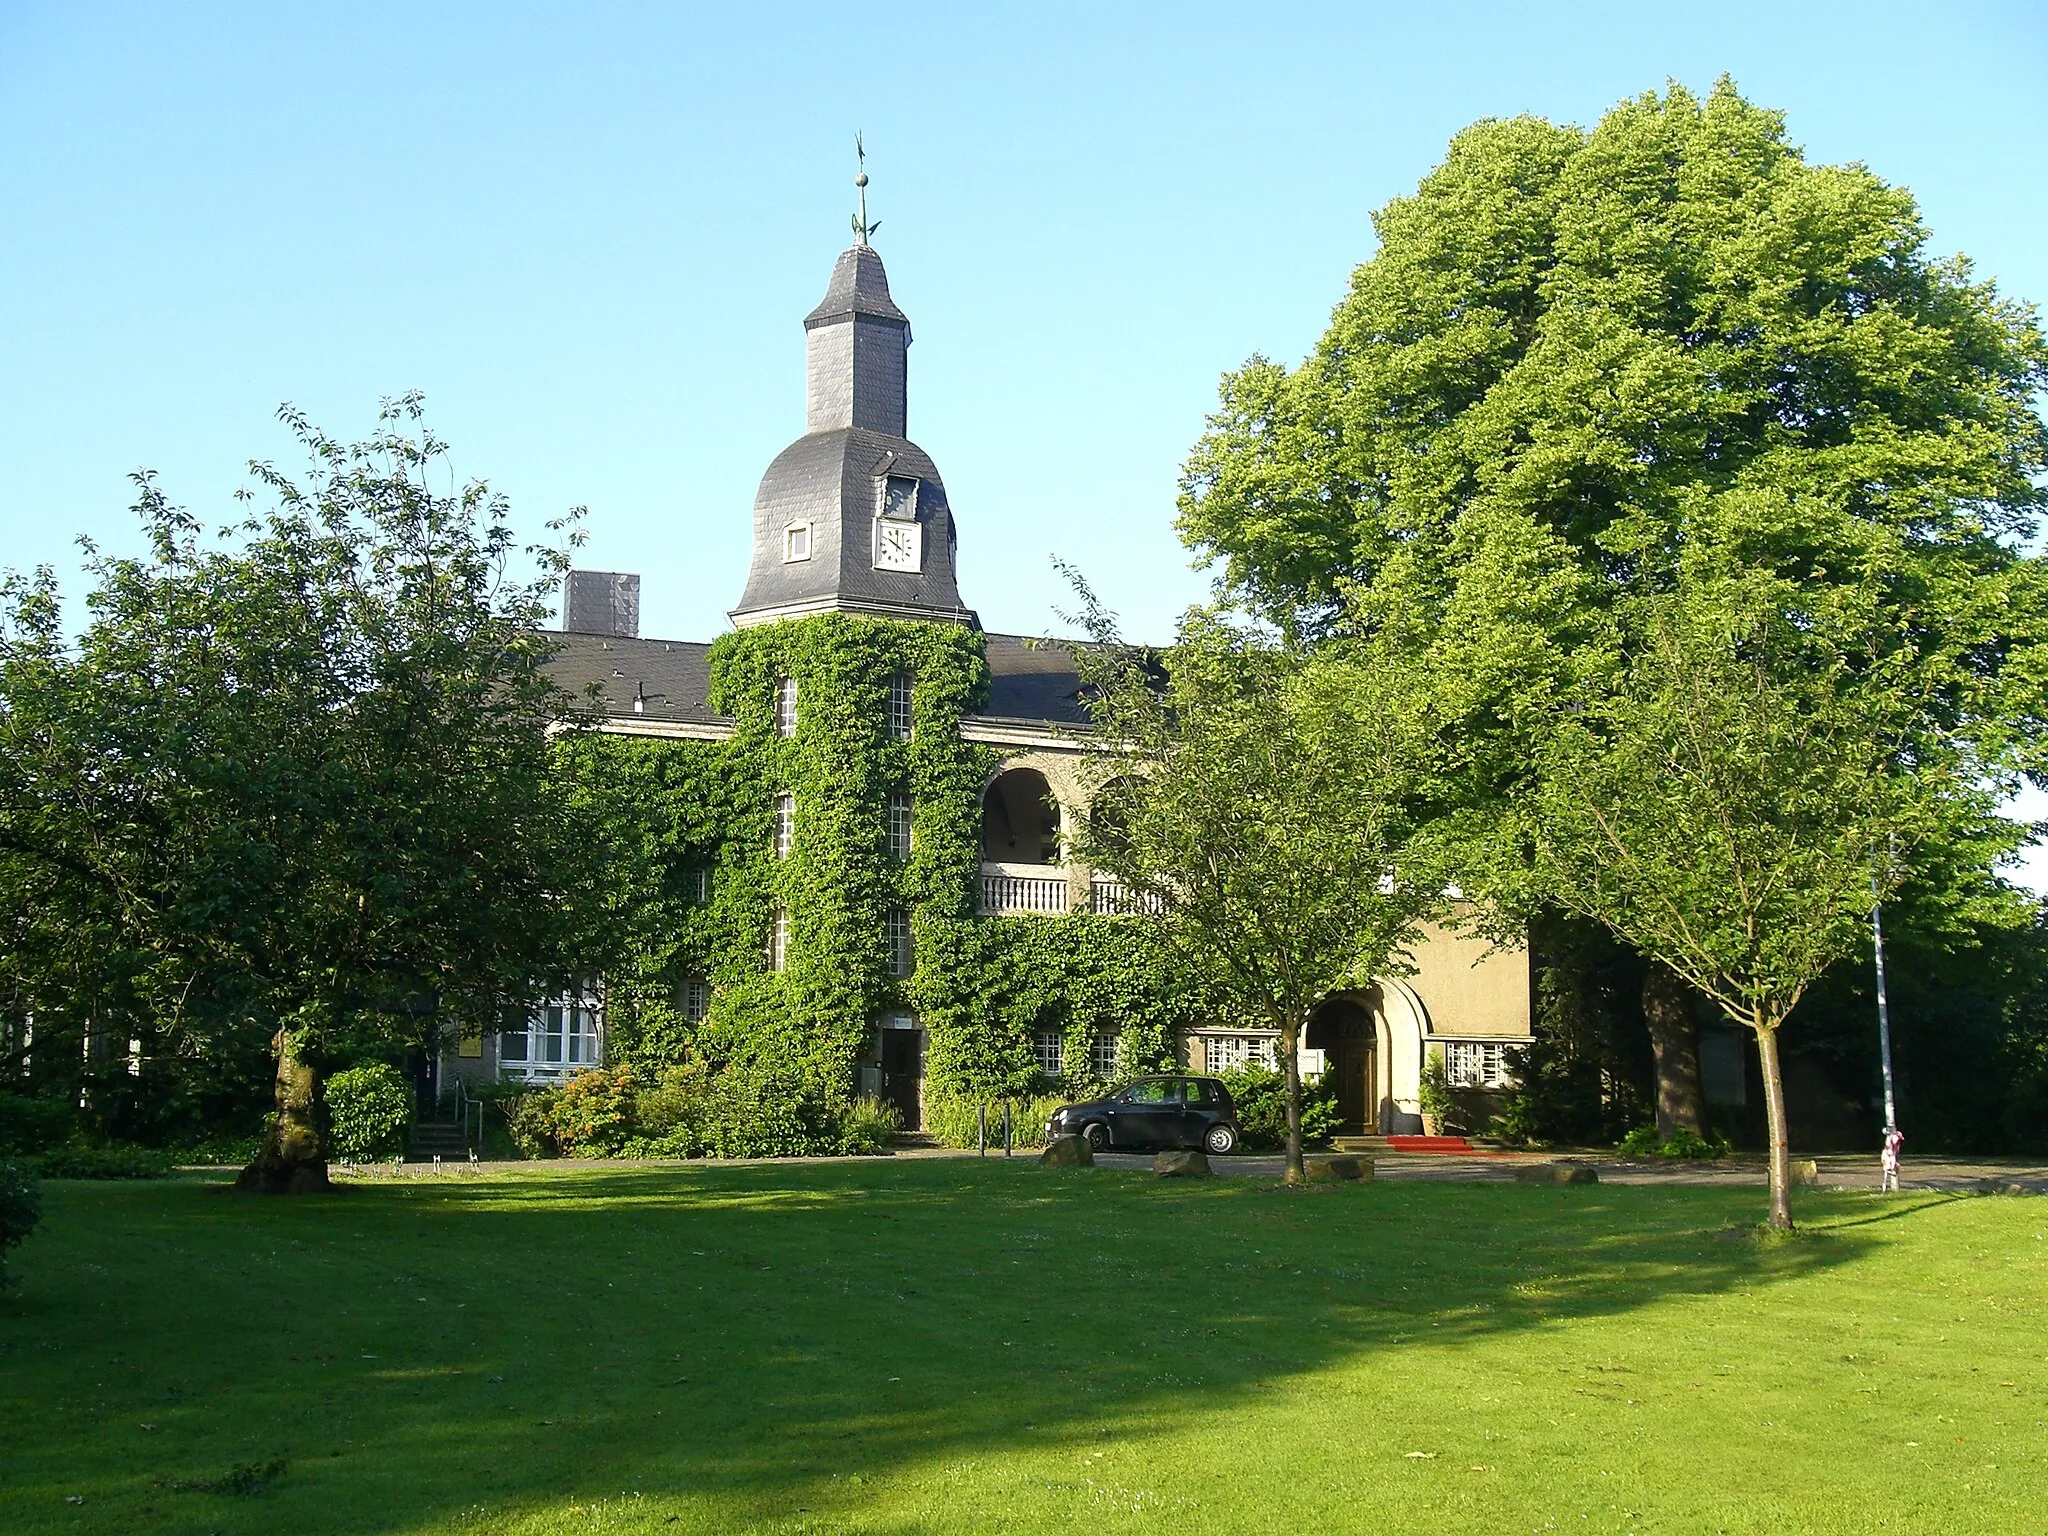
<point x="861" y="227"/>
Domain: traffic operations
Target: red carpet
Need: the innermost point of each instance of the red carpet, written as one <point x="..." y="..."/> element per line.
<point x="1429" y="1144"/>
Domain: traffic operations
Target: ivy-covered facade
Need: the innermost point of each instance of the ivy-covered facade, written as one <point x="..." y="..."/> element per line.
<point x="834" y="834"/>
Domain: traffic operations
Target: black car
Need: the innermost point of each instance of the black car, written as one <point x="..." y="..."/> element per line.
<point x="1154" y="1112"/>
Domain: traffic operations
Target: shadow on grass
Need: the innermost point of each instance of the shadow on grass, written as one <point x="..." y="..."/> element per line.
<point x="756" y="1340"/>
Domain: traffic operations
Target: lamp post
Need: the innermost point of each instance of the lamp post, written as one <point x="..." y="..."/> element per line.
<point x="1889" y="1166"/>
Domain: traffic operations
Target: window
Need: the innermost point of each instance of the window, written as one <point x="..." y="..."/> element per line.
<point x="796" y="543"/>
<point x="563" y="1036"/>
<point x="1224" y="1053"/>
<point x="1102" y="1056"/>
<point x="785" y="707"/>
<point x="1476" y="1063"/>
<point x="899" y="707"/>
<point x="697" y="884"/>
<point x="899" y="825"/>
<point x="785" y="825"/>
<point x="1050" y="1047"/>
<point x="1151" y="1090"/>
<point x="694" y="997"/>
<point x="902" y="954"/>
<point x="1202" y="1094"/>
<point x="778" y="939"/>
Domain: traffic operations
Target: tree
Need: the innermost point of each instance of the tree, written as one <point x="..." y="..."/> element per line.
<point x="1273" y="808"/>
<point x="1579" y="358"/>
<point x="295" y="782"/>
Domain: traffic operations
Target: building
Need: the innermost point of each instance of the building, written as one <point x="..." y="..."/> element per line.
<point x="841" y="822"/>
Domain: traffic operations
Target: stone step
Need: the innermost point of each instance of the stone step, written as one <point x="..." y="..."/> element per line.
<point x="438" y="1136"/>
<point x="1446" y="1145"/>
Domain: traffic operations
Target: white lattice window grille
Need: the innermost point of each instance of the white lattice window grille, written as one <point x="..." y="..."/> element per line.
<point x="785" y="707"/>
<point x="899" y="707"/>
<point x="1050" y="1047"/>
<point x="796" y="543"/>
<point x="1476" y="1063"/>
<point x="1224" y="1053"/>
<point x="785" y="825"/>
<point x="697" y="884"/>
<point x="695" y="997"/>
<point x="1102" y="1056"/>
<point x="778" y="939"/>
<point x="902" y="951"/>
<point x="899" y="825"/>
<point x="564" y="1036"/>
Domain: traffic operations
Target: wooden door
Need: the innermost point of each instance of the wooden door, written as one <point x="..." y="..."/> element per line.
<point x="903" y="1074"/>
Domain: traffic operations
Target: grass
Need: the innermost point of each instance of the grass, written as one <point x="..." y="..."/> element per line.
<point x="932" y="1346"/>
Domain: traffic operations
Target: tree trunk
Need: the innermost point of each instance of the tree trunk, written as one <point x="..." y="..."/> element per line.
<point x="1290" y="1039"/>
<point x="293" y="1160"/>
<point x="1774" y="1112"/>
<point x="1674" y="1038"/>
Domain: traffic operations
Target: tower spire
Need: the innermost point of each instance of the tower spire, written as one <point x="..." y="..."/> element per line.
<point x="861" y="227"/>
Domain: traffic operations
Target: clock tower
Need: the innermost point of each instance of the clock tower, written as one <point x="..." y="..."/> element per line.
<point x="852" y="517"/>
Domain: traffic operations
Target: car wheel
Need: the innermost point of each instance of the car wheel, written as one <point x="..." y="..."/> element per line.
<point x="1097" y="1137"/>
<point x="1218" y="1139"/>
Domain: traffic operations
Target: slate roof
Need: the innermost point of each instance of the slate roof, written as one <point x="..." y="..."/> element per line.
<point x="859" y="286"/>
<point x="1030" y="682"/>
<point x="673" y="676"/>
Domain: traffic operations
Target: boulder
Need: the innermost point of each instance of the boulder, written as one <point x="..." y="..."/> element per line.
<point x="1181" y="1165"/>
<point x="1805" y="1171"/>
<point x="1556" y="1173"/>
<point x="1066" y="1152"/>
<point x="1338" y="1169"/>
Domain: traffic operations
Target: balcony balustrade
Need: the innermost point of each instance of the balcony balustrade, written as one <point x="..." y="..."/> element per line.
<point x="1007" y="889"/>
<point x="1112" y="898"/>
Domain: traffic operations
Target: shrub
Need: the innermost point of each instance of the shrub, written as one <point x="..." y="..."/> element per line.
<point x="1643" y="1142"/>
<point x="1435" y="1093"/>
<point x="951" y="1121"/>
<point x="21" y="1207"/>
<point x="1260" y="1093"/>
<point x="867" y="1126"/>
<point x="591" y="1115"/>
<point x="672" y="1118"/>
<point x="530" y="1122"/>
<point x="79" y="1161"/>
<point x="30" y="1124"/>
<point x="369" y="1108"/>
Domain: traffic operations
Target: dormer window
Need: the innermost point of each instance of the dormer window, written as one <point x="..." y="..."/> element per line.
<point x="796" y="543"/>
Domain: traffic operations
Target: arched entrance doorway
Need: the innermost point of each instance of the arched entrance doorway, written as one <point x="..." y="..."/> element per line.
<point x="1342" y="1029"/>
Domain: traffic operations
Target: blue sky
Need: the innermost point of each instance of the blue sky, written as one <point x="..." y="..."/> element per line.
<point x="589" y="234"/>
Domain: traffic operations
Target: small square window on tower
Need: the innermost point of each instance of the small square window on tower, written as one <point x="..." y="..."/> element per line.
<point x="899" y="707"/>
<point x="900" y="824"/>
<point x="902" y="956"/>
<point x="695" y="999"/>
<point x="785" y="707"/>
<point x="785" y="825"/>
<point x="778" y="939"/>
<point x="796" y="543"/>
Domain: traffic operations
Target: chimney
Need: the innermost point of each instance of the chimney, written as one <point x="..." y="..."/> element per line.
<point x="601" y="603"/>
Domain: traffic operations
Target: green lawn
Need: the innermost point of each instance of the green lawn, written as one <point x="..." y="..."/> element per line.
<point x="928" y="1346"/>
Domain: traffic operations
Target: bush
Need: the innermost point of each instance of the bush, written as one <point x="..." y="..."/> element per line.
<point x="1434" y="1095"/>
<point x="951" y="1122"/>
<point x="867" y="1126"/>
<point x="591" y="1115"/>
<point x="21" y="1207"/>
<point x="1643" y="1142"/>
<point x="672" y="1118"/>
<point x="530" y="1122"/>
<point x="769" y="1109"/>
<point x="369" y="1108"/>
<point x="79" y="1161"/>
<point x="30" y="1124"/>
<point x="1260" y="1093"/>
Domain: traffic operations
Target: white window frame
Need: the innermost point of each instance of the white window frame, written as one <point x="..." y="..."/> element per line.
<point x="695" y="999"/>
<point x="785" y="706"/>
<point x="902" y="945"/>
<point x="778" y="939"/>
<point x="902" y="835"/>
<point x="1225" y="1053"/>
<point x="1049" y="1046"/>
<point x="564" y="1035"/>
<point x="902" y="719"/>
<point x="1102" y="1055"/>
<point x="785" y="824"/>
<point x="796" y="543"/>
<point x="1477" y="1064"/>
<point x="698" y="882"/>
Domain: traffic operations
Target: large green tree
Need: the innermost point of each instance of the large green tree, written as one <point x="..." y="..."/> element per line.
<point x="1276" y="811"/>
<point x="293" y="783"/>
<point x="1581" y="355"/>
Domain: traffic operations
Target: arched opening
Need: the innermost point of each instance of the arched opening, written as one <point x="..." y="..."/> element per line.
<point x="1020" y="819"/>
<point x="1343" y="1030"/>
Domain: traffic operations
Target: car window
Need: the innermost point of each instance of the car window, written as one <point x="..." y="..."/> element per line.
<point x="1201" y="1094"/>
<point x="1153" y="1090"/>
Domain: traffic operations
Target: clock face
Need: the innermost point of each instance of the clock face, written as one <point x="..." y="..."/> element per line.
<point x="898" y="546"/>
